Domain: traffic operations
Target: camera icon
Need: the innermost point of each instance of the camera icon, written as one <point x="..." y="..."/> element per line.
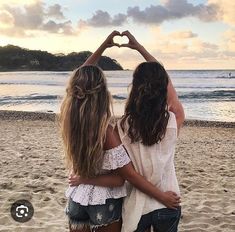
<point x="22" y="211"/>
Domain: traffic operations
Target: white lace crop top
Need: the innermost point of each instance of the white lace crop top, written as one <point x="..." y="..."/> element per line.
<point x="114" y="158"/>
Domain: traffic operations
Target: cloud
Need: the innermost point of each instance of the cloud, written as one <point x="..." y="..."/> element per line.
<point x="229" y="40"/>
<point x="6" y="18"/>
<point x="29" y="17"/>
<point x="185" y="49"/>
<point x="200" y="47"/>
<point x="62" y="28"/>
<point x="156" y="14"/>
<point x="55" y="11"/>
<point x="13" y="32"/>
<point x="226" y="10"/>
<point x="151" y="15"/>
<point x="182" y="8"/>
<point x="36" y="16"/>
<point x="172" y="9"/>
<point x="17" y="2"/>
<point x="183" y="35"/>
<point x="102" y="18"/>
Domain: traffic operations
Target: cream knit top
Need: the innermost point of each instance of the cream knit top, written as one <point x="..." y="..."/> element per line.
<point x="156" y="164"/>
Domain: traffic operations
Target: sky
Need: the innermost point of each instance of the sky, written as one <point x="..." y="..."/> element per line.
<point x="181" y="34"/>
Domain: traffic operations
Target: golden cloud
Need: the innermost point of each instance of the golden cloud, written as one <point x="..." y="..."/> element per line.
<point x="17" y="2"/>
<point x="229" y="40"/>
<point x="6" y="19"/>
<point x="25" y="18"/>
<point x="226" y="10"/>
<point x="183" y="35"/>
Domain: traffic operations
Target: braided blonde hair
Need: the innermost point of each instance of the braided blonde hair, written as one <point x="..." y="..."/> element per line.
<point x="84" y="118"/>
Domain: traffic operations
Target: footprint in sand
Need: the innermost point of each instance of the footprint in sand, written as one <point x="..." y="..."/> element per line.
<point x="7" y="185"/>
<point x="61" y="201"/>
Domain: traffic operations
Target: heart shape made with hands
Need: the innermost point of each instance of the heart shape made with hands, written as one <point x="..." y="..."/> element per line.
<point x="120" y="39"/>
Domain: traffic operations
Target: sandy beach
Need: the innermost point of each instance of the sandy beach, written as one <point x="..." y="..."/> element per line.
<point x="32" y="168"/>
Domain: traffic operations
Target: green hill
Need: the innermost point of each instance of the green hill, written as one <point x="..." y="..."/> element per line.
<point x="13" y="58"/>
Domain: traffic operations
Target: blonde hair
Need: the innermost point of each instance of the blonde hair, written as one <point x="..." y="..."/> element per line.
<point x="84" y="118"/>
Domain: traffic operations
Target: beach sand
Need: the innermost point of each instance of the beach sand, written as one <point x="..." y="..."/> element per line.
<point x="32" y="168"/>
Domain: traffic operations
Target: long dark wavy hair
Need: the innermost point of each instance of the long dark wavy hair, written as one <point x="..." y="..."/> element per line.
<point x="146" y="108"/>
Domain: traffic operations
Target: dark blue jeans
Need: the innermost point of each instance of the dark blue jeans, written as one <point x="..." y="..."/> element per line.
<point x="162" y="220"/>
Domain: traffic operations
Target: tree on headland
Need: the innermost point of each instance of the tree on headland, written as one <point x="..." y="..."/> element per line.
<point x="14" y="58"/>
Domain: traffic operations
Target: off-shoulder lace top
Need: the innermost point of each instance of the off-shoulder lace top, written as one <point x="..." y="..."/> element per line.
<point x="114" y="158"/>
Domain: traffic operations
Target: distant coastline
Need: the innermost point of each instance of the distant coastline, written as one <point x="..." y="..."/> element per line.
<point x="14" y="58"/>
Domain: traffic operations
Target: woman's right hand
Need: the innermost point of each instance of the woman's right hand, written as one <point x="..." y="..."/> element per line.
<point x="108" y="43"/>
<point x="171" y="200"/>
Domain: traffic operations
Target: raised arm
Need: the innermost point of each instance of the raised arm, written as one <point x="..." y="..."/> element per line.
<point x="172" y="99"/>
<point x="108" y="43"/>
<point x="135" y="45"/>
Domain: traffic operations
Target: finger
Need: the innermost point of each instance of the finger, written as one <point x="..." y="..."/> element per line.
<point x="116" y="44"/>
<point x="125" y="32"/>
<point x="115" y="33"/>
<point x="72" y="183"/>
<point x="125" y="45"/>
<point x="176" y="204"/>
<point x="173" y="193"/>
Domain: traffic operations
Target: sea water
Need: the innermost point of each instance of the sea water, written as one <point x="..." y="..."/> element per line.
<point x="205" y="94"/>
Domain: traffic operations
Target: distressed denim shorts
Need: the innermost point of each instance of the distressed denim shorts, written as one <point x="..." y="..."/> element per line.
<point x="161" y="220"/>
<point x="93" y="216"/>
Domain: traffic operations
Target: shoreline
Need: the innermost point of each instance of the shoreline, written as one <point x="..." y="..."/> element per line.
<point x="51" y="116"/>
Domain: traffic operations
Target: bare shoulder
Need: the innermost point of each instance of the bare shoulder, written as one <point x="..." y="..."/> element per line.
<point x="112" y="138"/>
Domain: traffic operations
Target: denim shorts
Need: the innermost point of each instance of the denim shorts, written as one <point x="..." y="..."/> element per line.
<point x="93" y="216"/>
<point x="161" y="220"/>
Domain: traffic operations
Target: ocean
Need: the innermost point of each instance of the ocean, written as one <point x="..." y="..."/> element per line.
<point x="205" y="94"/>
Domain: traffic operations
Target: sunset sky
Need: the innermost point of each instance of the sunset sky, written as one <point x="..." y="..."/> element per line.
<point x="182" y="34"/>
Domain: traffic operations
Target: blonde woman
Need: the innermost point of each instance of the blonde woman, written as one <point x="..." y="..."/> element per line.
<point x="93" y="148"/>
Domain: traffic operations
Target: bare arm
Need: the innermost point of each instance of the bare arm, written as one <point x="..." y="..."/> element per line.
<point x="172" y="99"/>
<point x="169" y="199"/>
<point x="108" y="42"/>
<point x="128" y="173"/>
<point x="111" y="180"/>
